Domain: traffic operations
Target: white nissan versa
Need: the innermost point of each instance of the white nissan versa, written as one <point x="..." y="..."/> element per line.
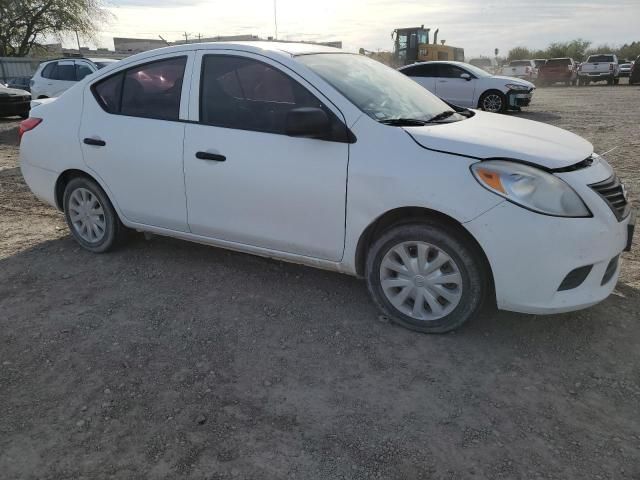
<point x="315" y="156"/>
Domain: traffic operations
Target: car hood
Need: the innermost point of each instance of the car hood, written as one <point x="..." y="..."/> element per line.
<point x="491" y="135"/>
<point x="13" y="92"/>
<point x="517" y="81"/>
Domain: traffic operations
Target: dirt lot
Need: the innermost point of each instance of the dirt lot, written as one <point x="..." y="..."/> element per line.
<point x="173" y="360"/>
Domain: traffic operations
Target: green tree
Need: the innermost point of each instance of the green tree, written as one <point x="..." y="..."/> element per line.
<point x="575" y="49"/>
<point x="519" y="53"/>
<point x="23" y="23"/>
<point x="629" y="51"/>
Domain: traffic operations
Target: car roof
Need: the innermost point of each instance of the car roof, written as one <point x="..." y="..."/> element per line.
<point x="98" y="59"/>
<point x="433" y="62"/>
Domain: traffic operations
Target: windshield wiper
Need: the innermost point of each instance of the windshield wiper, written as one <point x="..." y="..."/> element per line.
<point x="441" y="116"/>
<point x="403" y="122"/>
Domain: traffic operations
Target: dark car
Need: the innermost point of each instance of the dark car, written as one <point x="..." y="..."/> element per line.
<point x="634" y="76"/>
<point x="557" y="70"/>
<point x="14" y="102"/>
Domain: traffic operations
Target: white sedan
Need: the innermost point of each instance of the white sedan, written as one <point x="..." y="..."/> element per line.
<point x="464" y="85"/>
<point x="333" y="160"/>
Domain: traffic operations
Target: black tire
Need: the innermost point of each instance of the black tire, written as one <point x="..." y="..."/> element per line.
<point x="609" y="81"/>
<point x="490" y="95"/>
<point x="468" y="261"/>
<point x="114" y="231"/>
<point x="616" y="81"/>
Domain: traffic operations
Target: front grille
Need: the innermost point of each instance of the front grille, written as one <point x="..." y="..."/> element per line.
<point x="613" y="192"/>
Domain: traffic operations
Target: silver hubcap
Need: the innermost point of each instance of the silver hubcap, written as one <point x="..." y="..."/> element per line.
<point x="421" y="280"/>
<point x="492" y="103"/>
<point x="87" y="215"/>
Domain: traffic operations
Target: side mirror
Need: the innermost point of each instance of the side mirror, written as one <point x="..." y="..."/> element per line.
<point x="466" y="76"/>
<point x="307" y="122"/>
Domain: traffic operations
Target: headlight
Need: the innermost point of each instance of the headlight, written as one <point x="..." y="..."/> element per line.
<point x="530" y="187"/>
<point x="515" y="86"/>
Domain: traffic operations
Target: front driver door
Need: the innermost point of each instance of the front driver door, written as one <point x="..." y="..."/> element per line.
<point x="454" y="89"/>
<point x="249" y="183"/>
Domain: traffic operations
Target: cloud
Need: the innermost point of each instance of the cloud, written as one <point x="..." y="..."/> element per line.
<point x="478" y="26"/>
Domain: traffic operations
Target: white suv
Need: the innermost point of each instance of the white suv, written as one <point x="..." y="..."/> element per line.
<point x="333" y="160"/>
<point x="55" y="76"/>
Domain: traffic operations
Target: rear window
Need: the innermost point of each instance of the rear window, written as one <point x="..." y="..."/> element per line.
<point x="559" y="61"/>
<point x="520" y="63"/>
<point x="600" y="58"/>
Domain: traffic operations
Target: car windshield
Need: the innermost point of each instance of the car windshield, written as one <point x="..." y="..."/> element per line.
<point x="478" y="72"/>
<point x="379" y="91"/>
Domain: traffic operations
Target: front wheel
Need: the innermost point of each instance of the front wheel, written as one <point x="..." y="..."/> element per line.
<point x="493" y="101"/>
<point x="91" y="218"/>
<point x="426" y="277"/>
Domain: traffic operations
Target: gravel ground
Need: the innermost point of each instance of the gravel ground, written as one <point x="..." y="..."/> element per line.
<point x="174" y="360"/>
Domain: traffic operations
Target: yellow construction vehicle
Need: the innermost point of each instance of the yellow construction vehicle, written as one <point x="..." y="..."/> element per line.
<point x="412" y="45"/>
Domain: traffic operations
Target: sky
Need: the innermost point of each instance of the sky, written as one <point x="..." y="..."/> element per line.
<point x="475" y="25"/>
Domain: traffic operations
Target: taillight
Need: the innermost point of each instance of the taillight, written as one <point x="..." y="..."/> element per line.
<point x="611" y="66"/>
<point x="26" y="125"/>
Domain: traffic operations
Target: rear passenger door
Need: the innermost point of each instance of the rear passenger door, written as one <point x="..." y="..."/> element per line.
<point x="424" y="74"/>
<point x="132" y="136"/>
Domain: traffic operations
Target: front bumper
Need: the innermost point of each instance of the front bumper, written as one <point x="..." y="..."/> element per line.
<point x="519" y="98"/>
<point x="532" y="254"/>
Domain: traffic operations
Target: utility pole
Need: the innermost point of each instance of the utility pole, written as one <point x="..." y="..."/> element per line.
<point x="275" y="16"/>
<point x="78" y="40"/>
<point x="199" y="37"/>
<point x="186" y="37"/>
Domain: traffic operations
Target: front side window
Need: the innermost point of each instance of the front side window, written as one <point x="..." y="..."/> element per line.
<point x="449" y="71"/>
<point x="65" y="71"/>
<point x="152" y="90"/>
<point x="82" y="71"/>
<point x="425" y="70"/>
<point x="246" y="94"/>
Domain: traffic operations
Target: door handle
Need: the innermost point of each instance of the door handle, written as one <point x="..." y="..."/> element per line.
<point x="95" y="142"/>
<point x="210" y="156"/>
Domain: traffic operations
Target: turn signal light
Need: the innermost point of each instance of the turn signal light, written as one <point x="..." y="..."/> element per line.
<point x="26" y="125"/>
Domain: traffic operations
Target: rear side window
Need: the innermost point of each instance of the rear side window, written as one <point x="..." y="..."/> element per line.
<point x="427" y="70"/>
<point x="48" y="70"/>
<point x="152" y="90"/>
<point x="108" y="93"/>
<point x="520" y="63"/>
<point x="248" y="95"/>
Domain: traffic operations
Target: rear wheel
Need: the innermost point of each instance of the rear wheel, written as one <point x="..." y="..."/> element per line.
<point x="426" y="277"/>
<point x="91" y="218"/>
<point x="493" y="101"/>
<point x="616" y="81"/>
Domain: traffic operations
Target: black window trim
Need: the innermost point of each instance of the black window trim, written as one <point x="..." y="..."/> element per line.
<point x="123" y="72"/>
<point x="348" y="137"/>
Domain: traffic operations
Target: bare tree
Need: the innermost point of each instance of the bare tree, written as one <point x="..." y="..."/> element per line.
<point x="24" y="23"/>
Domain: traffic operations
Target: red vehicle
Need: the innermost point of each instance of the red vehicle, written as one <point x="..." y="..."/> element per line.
<point x="556" y="70"/>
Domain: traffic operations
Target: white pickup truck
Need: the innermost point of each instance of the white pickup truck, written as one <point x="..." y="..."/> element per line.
<point x="525" y="69"/>
<point x="598" y="68"/>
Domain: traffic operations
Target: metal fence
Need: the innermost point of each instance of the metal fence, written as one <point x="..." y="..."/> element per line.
<point x="12" y="67"/>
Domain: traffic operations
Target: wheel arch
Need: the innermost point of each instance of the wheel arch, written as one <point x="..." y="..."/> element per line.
<point x="491" y="90"/>
<point x="63" y="180"/>
<point x="404" y="215"/>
